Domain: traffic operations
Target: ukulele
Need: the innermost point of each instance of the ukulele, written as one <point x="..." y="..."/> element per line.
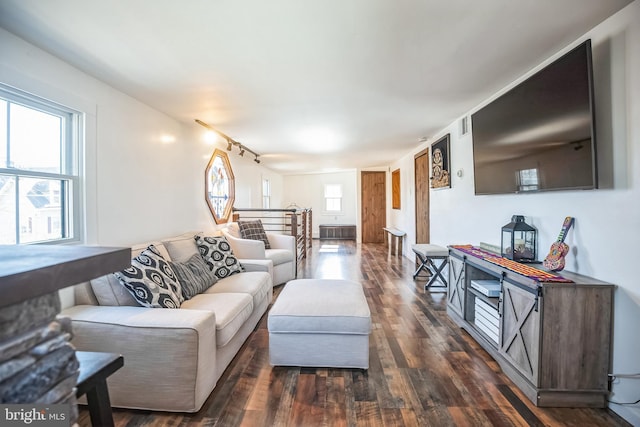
<point x="559" y="249"/>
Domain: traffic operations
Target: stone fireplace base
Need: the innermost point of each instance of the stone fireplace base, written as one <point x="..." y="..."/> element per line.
<point x="37" y="362"/>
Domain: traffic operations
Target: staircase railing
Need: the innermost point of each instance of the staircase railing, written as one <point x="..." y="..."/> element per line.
<point x="293" y="222"/>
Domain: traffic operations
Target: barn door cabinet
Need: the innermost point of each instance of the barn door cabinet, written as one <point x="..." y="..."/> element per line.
<point x="455" y="285"/>
<point x="553" y="340"/>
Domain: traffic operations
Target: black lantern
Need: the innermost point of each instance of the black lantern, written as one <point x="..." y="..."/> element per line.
<point x="519" y="240"/>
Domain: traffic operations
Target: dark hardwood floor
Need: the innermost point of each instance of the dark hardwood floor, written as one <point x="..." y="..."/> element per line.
<point x="424" y="370"/>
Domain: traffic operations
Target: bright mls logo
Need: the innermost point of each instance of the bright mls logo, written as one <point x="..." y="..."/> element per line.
<point x="34" y="415"/>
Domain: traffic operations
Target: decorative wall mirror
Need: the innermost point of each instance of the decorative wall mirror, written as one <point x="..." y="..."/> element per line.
<point x="219" y="186"/>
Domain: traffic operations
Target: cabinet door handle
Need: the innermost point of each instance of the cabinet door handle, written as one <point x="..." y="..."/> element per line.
<point x="537" y="298"/>
<point x="501" y="296"/>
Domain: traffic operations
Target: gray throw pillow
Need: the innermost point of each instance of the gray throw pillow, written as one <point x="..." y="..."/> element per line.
<point x="218" y="256"/>
<point x="254" y="230"/>
<point x="194" y="275"/>
<point x="151" y="280"/>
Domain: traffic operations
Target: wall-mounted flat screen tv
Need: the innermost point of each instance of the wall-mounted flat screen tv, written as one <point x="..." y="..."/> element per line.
<point x="540" y="135"/>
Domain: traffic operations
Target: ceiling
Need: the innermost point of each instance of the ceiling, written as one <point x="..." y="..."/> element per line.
<point x="310" y="85"/>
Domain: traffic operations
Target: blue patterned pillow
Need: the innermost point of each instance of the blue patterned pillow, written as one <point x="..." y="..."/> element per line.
<point x="152" y="281"/>
<point x="218" y="255"/>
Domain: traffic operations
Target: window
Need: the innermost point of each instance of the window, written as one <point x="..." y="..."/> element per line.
<point x="528" y="180"/>
<point x="39" y="181"/>
<point x="333" y="198"/>
<point x="266" y="194"/>
<point x="220" y="186"/>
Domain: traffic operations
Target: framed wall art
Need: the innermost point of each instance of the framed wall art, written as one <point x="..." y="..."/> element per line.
<point x="441" y="163"/>
<point x="395" y="189"/>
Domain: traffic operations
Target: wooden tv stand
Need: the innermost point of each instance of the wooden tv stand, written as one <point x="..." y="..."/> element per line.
<point x="553" y="339"/>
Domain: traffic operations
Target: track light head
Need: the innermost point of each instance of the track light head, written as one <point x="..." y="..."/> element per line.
<point x="230" y="142"/>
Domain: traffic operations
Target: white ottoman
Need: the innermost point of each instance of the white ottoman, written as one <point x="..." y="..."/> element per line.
<point x="320" y="323"/>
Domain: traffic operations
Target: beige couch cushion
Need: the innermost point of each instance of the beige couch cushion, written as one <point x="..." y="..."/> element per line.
<point x="255" y="283"/>
<point x="234" y="229"/>
<point x="231" y="310"/>
<point x="182" y="247"/>
<point x="83" y="294"/>
<point x="137" y="249"/>
<point x="108" y="291"/>
<point x="279" y="256"/>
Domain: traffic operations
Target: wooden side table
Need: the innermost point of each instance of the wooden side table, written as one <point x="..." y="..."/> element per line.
<point x="394" y="238"/>
<point x="95" y="368"/>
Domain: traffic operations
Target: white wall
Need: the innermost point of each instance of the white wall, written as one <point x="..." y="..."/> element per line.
<point x="307" y="191"/>
<point x="604" y="241"/>
<point x="137" y="187"/>
<point x="404" y="218"/>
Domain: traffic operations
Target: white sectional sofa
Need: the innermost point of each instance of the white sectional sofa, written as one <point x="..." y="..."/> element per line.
<point x="282" y="252"/>
<point x="173" y="358"/>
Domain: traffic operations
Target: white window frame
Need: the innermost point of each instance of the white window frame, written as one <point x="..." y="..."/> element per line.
<point x="70" y="164"/>
<point x="528" y="179"/>
<point x="333" y="194"/>
<point x="266" y="193"/>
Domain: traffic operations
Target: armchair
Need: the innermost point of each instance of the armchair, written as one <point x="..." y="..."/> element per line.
<point x="282" y="252"/>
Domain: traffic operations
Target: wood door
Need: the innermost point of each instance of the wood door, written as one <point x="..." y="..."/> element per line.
<point x="520" y="334"/>
<point x="374" y="206"/>
<point x="421" y="166"/>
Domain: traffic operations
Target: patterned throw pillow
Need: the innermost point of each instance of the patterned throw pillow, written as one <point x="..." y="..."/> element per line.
<point x="194" y="275"/>
<point x="218" y="255"/>
<point x="255" y="231"/>
<point x="151" y="280"/>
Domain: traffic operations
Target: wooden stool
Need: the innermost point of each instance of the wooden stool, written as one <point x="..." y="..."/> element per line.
<point x="428" y="255"/>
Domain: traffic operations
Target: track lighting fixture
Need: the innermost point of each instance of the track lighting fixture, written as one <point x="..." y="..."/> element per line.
<point x="231" y="142"/>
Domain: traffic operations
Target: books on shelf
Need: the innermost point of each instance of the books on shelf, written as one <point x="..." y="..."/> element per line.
<point x="490" y="332"/>
<point x="487" y="319"/>
<point x="490" y="288"/>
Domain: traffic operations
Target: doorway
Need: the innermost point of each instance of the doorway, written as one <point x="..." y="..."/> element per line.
<point x="374" y="206"/>
<point x="421" y="167"/>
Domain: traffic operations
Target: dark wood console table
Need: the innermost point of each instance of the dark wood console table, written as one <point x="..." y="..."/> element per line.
<point x="95" y="368"/>
<point x="553" y="340"/>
